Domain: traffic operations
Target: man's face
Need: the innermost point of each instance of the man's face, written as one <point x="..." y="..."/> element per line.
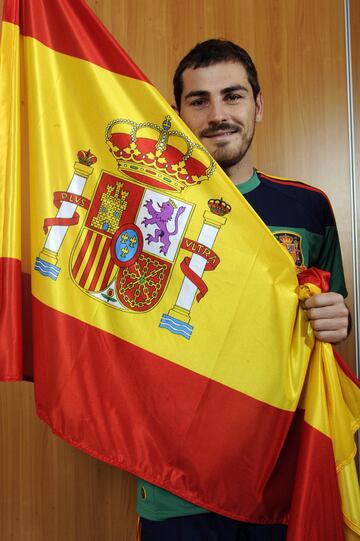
<point x="218" y="105"/>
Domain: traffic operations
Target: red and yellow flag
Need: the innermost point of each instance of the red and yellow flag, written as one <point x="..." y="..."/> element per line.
<point x="165" y="325"/>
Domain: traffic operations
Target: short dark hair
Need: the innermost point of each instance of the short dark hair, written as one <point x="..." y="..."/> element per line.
<point x="212" y="52"/>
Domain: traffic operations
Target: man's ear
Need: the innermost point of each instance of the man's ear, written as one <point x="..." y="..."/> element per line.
<point x="175" y="109"/>
<point x="259" y="107"/>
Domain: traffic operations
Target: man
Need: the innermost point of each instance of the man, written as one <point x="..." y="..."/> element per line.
<point x="218" y="96"/>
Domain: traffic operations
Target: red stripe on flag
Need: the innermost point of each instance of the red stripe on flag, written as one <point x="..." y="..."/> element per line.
<point x="82" y="253"/>
<point x="100" y="265"/>
<point x="71" y="28"/>
<point x="90" y="262"/>
<point x="207" y="443"/>
<point x="27" y="368"/>
<point x="11" y="12"/>
<point x="10" y="320"/>
<point x="316" y="507"/>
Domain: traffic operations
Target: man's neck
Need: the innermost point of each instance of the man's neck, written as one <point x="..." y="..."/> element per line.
<point x="240" y="172"/>
<point x="240" y="175"/>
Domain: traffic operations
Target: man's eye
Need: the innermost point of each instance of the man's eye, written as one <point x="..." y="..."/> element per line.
<point x="198" y="102"/>
<point x="233" y="98"/>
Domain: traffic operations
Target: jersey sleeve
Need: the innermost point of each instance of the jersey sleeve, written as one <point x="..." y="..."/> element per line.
<point x="329" y="257"/>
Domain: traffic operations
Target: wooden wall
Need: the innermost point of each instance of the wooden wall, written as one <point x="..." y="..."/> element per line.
<point x="52" y="492"/>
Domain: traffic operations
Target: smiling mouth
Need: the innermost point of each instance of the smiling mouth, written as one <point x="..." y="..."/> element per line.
<point x="220" y="135"/>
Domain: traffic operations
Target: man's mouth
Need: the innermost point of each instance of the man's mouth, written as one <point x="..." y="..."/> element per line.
<point x="221" y="132"/>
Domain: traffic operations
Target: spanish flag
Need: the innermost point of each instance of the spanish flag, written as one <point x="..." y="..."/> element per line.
<point x="164" y="318"/>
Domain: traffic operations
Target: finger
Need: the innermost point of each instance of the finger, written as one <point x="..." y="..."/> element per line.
<point x="337" y="324"/>
<point x="333" y="337"/>
<point x="324" y="299"/>
<point x="327" y="312"/>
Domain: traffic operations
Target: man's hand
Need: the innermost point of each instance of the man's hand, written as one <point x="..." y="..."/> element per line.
<point x="329" y="317"/>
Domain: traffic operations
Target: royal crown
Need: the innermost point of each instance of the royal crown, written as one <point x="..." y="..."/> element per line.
<point x="219" y="207"/>
<point x="287" y="239"/>
<point x="86" y="157"/>
<point x="157" y="155"/>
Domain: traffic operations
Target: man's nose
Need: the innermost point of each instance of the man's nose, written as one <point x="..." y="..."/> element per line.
<point x="217" y="112"/>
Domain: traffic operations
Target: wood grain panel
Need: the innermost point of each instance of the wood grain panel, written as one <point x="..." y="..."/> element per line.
<point x="51" y="491"/>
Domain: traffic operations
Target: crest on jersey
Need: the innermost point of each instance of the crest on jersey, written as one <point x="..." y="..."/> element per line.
<point x="292" y="242"/>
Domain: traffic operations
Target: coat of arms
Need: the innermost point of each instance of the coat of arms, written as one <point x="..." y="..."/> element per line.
<point x="136" y="222"/>
<point x="292" y="241"/>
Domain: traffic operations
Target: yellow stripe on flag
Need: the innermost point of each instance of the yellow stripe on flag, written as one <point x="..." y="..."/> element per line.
<point x="10" y="169"/>
<point x="331" y="403"/>
<point x="256" y="271"/>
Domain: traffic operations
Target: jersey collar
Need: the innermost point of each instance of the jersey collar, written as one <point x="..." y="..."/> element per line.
<point x="249" y="185"/>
